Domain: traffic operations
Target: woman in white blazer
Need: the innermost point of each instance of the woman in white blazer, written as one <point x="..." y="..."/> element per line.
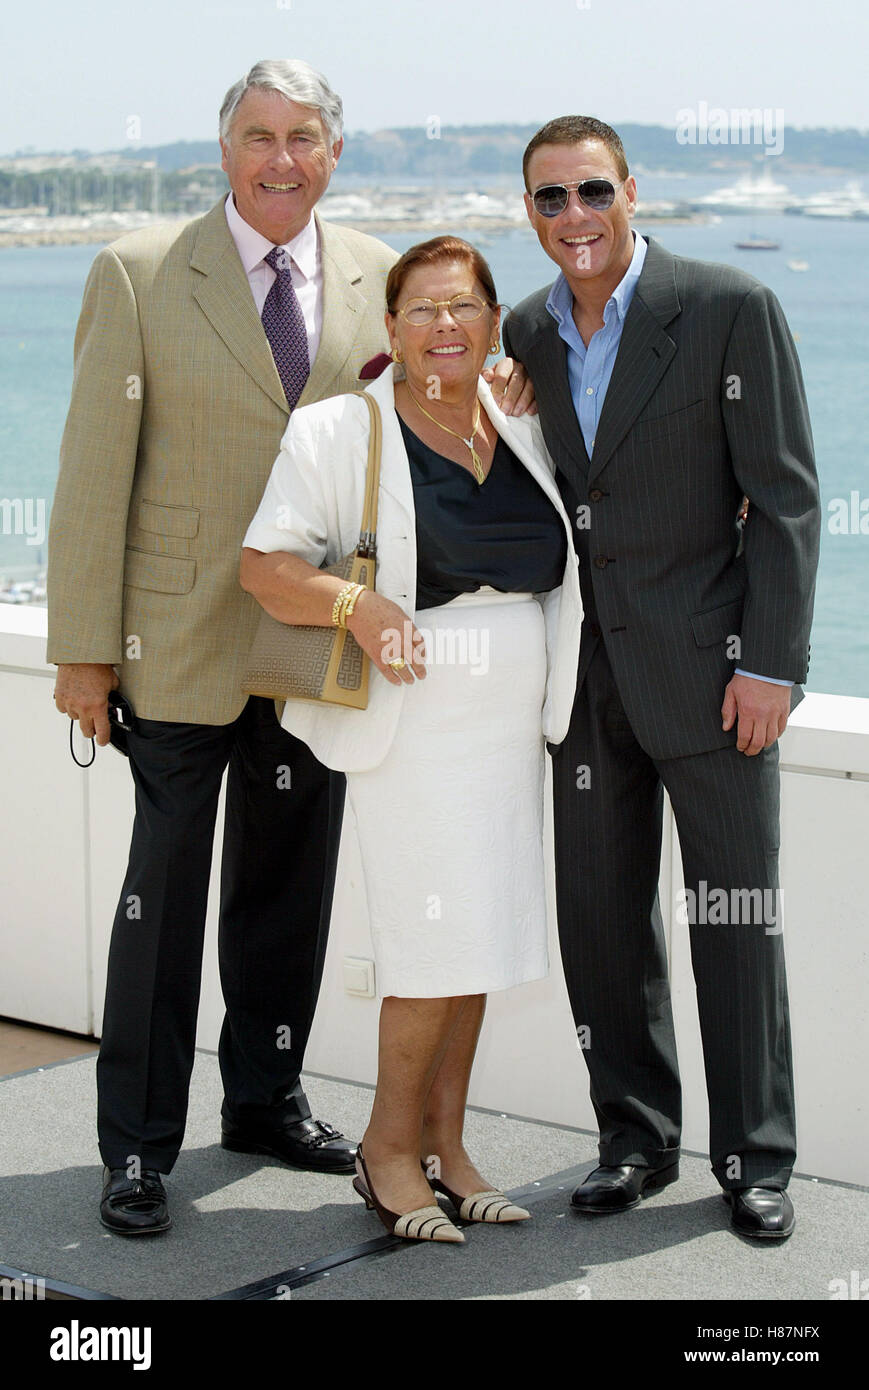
<point x="473" y="629"/>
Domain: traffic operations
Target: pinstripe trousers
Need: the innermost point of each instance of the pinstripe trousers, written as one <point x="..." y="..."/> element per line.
<point x="608" y="818"/>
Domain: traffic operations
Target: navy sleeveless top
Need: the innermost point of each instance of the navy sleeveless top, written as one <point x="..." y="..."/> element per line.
<point x="504" y="532"/>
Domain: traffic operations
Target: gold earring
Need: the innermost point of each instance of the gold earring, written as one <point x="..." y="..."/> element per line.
<point x="495" y="347"/>
<point x="396" y="355"/>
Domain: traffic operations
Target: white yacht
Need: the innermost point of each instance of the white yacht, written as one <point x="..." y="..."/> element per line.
<point x="849" y="201"/>
<point x="753" y="192"/>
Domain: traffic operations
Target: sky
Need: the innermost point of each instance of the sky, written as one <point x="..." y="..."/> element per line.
<point x="75" y="73"/>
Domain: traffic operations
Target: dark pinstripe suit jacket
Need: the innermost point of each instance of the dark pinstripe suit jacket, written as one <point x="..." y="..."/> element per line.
<point x="705" y="404"/>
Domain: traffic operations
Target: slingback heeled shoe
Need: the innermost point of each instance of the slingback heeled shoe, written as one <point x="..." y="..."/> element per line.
<point x="490" y="1207"/>
<point x="424" y="1223"/>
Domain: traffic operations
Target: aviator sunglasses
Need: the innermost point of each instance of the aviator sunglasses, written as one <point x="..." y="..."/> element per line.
<point x="553" y="198"/>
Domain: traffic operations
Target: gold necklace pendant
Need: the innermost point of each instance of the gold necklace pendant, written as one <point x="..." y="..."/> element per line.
<point x="475" y="457"/>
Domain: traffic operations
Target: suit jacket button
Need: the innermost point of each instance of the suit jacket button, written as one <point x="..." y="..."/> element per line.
<point x="601" y="562"/>
<point x="595" y="495"/>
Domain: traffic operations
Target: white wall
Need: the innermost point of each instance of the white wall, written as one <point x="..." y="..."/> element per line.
<point x="64" y="836"/>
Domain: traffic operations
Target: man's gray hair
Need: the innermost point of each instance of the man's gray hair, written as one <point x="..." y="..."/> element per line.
<point x="296" y="81"/>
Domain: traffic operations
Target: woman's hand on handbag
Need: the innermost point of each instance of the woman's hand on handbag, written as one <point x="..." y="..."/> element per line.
<point x="389" y="637"/>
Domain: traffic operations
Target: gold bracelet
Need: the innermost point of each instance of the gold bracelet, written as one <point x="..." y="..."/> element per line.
<point x="350" y="603"/>
<point x="337" y="606"/>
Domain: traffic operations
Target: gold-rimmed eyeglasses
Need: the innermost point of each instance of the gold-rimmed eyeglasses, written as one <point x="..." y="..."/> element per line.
<point x="464" y="308"/>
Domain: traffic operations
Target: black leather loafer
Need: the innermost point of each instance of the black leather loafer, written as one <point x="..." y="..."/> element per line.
<point x="618" y="1189"/>
<point x="134" y="1206"/>
<point x="762" y="1213"/>
<point x="310" y="1144"/>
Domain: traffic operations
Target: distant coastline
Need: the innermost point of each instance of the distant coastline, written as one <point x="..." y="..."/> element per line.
<point x="419" y="179"/>
<point x="368" y="209"/>
<point x="715" y="142"/>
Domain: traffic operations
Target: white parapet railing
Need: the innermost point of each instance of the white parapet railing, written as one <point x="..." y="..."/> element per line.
<point x="64" y="838"/>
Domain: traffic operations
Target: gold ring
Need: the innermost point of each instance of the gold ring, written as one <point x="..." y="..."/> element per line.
<point x="399" y="664"/>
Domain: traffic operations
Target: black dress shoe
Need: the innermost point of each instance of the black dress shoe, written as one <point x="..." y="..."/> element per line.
<point x="618" y="1189"/>
<point x="763" y="1213"/>
<point x="310" y="1144"/>
<point x="134" y="1206"/>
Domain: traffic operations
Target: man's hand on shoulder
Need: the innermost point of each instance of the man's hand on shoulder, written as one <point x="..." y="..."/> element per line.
<point x="760" y="711"/>
<point x="511" y="387"/>
<point x="81" y="692"/>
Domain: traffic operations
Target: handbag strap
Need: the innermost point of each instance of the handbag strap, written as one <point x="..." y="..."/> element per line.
<point x="368" y="535"/>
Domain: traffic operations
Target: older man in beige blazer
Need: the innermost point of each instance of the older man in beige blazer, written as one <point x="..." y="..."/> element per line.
<point x="177" y="413"/>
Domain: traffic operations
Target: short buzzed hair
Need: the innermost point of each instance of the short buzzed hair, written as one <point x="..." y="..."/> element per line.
<point x="574" y="130"/>
<point x="294" y="80"/>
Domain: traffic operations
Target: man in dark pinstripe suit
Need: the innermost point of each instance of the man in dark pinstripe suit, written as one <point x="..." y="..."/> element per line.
<point x="667" y="389"/>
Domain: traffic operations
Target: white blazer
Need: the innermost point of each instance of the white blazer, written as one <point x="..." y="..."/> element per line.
<point x="312" y="507"/>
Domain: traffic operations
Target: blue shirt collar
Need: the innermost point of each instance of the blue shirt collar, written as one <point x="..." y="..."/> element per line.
<point x="560" y="300"/>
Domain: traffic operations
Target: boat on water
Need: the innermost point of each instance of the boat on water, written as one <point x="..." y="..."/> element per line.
<point x="847" y="202"/>
<point x="797" y="265"/>
<point x="23" y="590"/>
<point x="758" y="243"/>
<point x="753" y="192"/>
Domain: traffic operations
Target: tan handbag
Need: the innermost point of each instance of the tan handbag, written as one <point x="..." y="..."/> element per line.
<point x="293" y="662"/>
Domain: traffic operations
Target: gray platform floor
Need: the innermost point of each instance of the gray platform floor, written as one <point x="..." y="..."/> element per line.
<point x="239" y="1219"/>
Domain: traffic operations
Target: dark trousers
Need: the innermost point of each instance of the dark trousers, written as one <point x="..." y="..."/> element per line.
<point x="280" y="851"/>
<point x="608" y="817"/>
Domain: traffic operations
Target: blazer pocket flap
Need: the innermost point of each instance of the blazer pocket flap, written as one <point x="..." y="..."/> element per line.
<point x="671" y="422"/>
<point x="168" y="521"/>
<point x="717" y="624"/>
<point x="165" y="574"/>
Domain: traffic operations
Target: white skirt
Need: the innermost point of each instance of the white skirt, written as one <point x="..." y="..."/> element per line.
<point x="451" y="824"/>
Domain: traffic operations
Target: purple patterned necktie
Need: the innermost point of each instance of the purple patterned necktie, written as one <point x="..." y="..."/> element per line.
<point x="284" y="326"/>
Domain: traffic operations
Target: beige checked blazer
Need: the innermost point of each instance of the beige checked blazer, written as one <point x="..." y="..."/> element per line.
<point x="175" y="421"/>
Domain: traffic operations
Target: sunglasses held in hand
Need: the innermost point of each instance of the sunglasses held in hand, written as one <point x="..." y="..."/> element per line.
<point x="122" y="721"/>
<point x="552" y="198"/>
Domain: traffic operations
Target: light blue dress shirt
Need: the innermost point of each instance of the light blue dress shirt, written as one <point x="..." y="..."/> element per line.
<point x="589" y="368"/>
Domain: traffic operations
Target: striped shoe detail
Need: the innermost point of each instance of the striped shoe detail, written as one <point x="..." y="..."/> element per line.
<point x="491" y="1207"/>
<point x="427" y="1223"/>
